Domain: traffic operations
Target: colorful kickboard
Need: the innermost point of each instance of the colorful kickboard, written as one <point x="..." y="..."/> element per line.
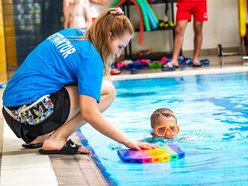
<point x="165" y="153"/>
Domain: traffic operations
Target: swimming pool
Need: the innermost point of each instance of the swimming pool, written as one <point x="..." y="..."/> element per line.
<point x="212" y="111"/>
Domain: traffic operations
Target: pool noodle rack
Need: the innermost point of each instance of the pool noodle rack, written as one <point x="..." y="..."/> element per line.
<point x="129" y="54"/>
<point x="165" y="153"/>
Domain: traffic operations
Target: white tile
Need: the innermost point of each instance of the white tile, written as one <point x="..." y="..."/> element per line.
<point x="24" y="167"/>
<point x="25" y="161"/>
<point x="31" y="176"/>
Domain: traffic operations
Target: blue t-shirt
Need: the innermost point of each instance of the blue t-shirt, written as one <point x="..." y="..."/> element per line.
<point x="59" y="60"/>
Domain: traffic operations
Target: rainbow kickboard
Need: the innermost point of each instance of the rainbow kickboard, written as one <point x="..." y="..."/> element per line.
<point x="165" y="153"/>
<point x="176" y="149"/>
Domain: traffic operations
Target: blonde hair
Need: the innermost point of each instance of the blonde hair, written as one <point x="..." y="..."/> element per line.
<point x="161" y="112"/>
<point x="99" y="32"/>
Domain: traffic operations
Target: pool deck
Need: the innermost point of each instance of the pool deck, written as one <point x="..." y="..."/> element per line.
<point x="21" y="166"/>
<point x="27" y="167"/>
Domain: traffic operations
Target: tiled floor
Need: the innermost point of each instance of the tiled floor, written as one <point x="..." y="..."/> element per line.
<point x="24" y="167"/>
<point x="27" y="167"/>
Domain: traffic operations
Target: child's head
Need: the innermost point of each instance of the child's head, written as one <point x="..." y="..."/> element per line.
<point x="164" y="123"/>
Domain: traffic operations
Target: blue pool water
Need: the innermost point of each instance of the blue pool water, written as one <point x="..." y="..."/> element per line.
<point x="212" y="111"/>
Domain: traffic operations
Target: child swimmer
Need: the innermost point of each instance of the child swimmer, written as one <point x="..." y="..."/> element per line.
<point x="164" y="124"/>
<point x="164" y="127"/>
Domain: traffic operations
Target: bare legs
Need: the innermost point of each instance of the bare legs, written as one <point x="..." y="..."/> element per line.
<point x="197" y="41"/>
<point x="179" y="35"/>
<point x="59" y="137"/>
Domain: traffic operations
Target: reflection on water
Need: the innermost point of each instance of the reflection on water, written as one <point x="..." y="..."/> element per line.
<point x="135" y="94"/>
<point x="212" y="111"/>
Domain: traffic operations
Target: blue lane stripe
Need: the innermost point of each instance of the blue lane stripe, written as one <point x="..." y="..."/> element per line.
<point x="95" y="158"/>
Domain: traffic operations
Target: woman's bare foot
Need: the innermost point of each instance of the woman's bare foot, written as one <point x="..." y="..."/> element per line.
<point x="40" y="139"/>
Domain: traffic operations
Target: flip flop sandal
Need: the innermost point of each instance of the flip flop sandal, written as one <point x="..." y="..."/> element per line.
<point x="135" y="65"/>
<point x="70" y="148"/>
<point x="144" y="52"/>
<point x="182" y="57"/>
<point x="114" y="71"/>
<point x="168" y="67"/>
<point x="188" y="61"/>
<point x="196" y="65"/>
<point x="168" y="63"/>
<point x="134" y="71"/>
<point x="204" y="62"/>
<point x="32" y="146"/>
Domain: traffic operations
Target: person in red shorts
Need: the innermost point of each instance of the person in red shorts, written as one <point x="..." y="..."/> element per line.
<point x="185" y="10"/>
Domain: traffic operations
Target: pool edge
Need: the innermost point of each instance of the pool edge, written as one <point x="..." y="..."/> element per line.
<point x="188" y="72"/>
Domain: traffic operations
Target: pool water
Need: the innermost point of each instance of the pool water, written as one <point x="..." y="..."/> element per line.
<point x="212" y="111"/>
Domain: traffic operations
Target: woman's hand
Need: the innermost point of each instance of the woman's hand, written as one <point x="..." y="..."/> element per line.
<point x="137" y="145"/>
<point x="117" y="11"/>
<point x="100" y="2"/>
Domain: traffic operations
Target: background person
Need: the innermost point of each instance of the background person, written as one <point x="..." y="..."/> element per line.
<point x="96" y="6"/>
<point x="76" y="13"/>
<point x="186" y="9"/>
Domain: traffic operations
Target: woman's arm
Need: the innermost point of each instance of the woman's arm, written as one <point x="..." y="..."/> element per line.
<point x="100" y="2"/>
<point x="91" y="114"/>
<point x="66" y="4"/>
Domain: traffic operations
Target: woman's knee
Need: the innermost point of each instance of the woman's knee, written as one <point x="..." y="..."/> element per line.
<point x="108" y="90"/>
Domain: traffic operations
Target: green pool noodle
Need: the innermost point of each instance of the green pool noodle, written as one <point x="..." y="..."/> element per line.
<point x="114" y="3"/>
<point x="153" y="24"/>
<point x="146" y="21"/>
<point x="151" y="11"/>
<point x="145" y="18"/>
